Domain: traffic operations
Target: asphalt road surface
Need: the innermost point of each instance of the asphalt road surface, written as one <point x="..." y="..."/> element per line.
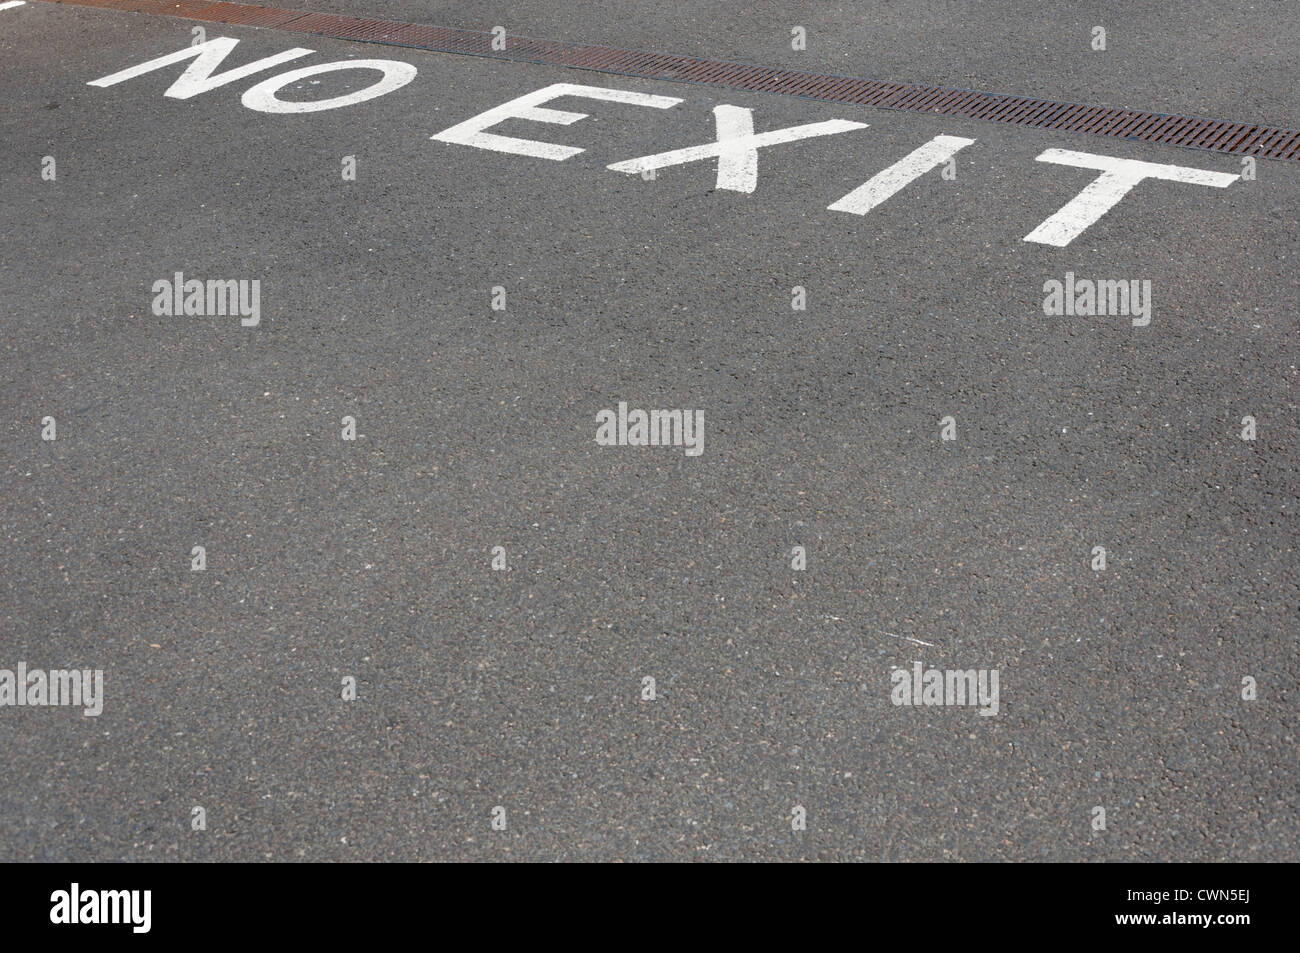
<point x="473" y="311"/>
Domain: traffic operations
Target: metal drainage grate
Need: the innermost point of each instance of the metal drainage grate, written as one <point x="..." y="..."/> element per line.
<point x="1240" y="138"/>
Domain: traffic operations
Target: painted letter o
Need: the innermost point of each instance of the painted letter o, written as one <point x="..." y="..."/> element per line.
<point x="262" y="97"/>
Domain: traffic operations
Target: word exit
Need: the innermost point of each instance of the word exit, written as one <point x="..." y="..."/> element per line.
<point x="734" y="147"/>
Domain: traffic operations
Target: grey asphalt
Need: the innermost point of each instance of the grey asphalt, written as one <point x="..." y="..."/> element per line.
<point x="371" y="559"/>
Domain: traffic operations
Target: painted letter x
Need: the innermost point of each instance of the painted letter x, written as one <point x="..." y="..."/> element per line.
<point x="736" y="148"/>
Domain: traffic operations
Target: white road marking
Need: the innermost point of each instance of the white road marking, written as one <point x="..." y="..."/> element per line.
<point x="198" y="77"/>
<point x="908" y="638"/>
<point x="903" y="638"/>
<point x="736" y="148"/>
<point x="472" y="132"/>
<point x="1118" y="176"/>
<point x="262" y="97"/>
<point x="13" y="3"/>
<point x="912" y="166"/>
<point x="737" y="165"/>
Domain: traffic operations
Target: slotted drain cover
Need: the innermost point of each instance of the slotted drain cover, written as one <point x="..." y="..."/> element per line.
<point x="1266" y="142"/>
